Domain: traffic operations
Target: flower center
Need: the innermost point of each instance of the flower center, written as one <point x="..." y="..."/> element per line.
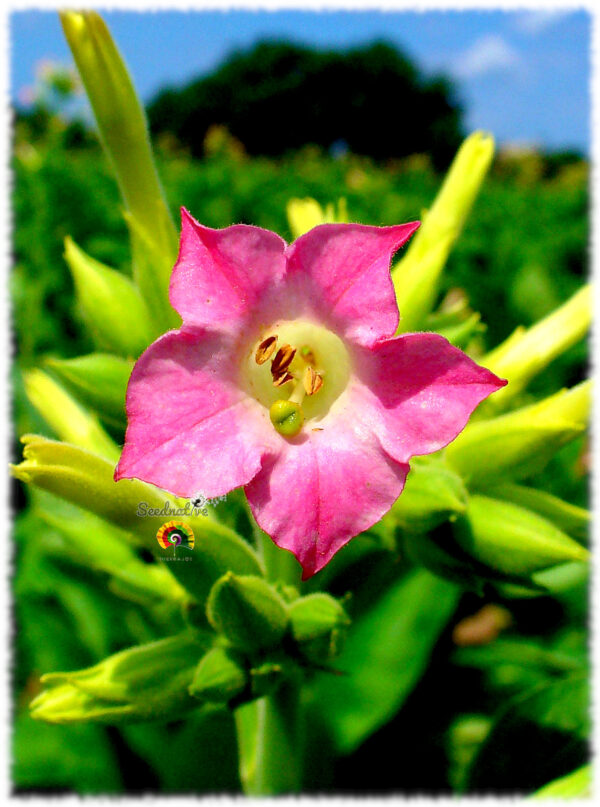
<point x="299" y="364"/>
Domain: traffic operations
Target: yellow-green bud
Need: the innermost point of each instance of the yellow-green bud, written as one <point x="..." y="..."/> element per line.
<point x="99" y="380"/>
<point x="520" y="443"/>
<point x="513" y="540"/>
<point x="142" y="683"/>
<point x="287" y="417"/>
<point x="526" y="352"/>
<point x="416" y="274"/>
<point x="111" y="304"/>
<point x="247" y="611"/>
<point x="319" y="625"/>
<point x="71" y="421"/>
<point x="433" y="494"/>
<point x="304" y="214"/>
<point x="87" y="480"/>
<point x="219" y="676"/>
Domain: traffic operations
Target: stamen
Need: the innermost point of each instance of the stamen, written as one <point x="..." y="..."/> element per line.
<point x="265" y="350"/>
<point x="283" y="359"/>
<point x="312" y="381"/>
<point x="282" y="379"/>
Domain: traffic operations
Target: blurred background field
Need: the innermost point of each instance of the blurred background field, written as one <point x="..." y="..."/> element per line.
<point x="523" y="251"/>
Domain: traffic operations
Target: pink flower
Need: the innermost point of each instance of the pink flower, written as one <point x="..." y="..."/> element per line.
<point x="286" y="378"/>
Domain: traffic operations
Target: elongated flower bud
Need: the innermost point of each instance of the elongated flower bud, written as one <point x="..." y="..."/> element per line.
<point x="514" y="540"/>
<point x="93" y="543"/>
<point x="124" y="134"/>
<point x="520" y="443"/>
<point x="66" y="417"/>
<point x="87" y="480"/>
<point x="568" y="517"/>
<point x="112" y="307"/>
<point x="526" y="352"/>
<point x="247" y="611"/>
<point x="514" y="549"/>
<point x="319" y="625"/>
<point x="99" y="380"/>
<point x="304" y="214"/>
<point x="416" y="274"/>
<point x="149" y="682"/>
<point x="433" y="493"/>
<point x="219" y="677"/>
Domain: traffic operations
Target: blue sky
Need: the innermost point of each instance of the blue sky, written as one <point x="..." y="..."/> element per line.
<point x="522" y="75"/>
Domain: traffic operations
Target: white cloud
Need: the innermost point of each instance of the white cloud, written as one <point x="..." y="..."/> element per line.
<point x="488" y="54"/>
<point x="534" y="22"/>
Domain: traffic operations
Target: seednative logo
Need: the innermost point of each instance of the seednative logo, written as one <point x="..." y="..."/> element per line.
<point x="175" y="534"/>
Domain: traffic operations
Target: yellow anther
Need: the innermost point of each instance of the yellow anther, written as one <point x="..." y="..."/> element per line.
<point x="312" y="381"/>
<point x="265" y="350"/>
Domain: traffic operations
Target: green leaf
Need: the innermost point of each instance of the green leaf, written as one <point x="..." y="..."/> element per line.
<point x="537" y="736"/>
<point x="386" y="653"/>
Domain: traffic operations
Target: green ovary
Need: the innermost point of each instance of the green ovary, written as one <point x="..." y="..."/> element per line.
<point x="323" y="349"/>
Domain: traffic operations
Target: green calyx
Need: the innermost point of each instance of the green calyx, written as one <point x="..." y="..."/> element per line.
<point x="247" y="611"/>
<point x="318" y="624"/>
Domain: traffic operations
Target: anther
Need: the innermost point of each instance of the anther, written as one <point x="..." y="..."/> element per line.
<point x="312" y="381"/>
<point x="282" y="379"/>
<point x="265" y="350"/>
<point x="283" y="359"/>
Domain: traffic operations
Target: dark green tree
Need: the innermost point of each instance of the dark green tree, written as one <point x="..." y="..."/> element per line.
<point x="279" y="96"/>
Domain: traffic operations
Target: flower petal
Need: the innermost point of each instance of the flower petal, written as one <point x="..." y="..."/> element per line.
<point x="322" y="489"/>
<point x="221" y="274"/>
<point x="346" y="272"/>
<point x="418" y="391"/>
<point x="190" y="428"/>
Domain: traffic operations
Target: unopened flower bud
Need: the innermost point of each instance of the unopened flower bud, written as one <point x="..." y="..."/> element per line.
<point x="219" y="677"/>
<point x="247" y="611"/>
<point x="71" y="421"/>
<point x="142" y="683"/>
<point x="416" y="274"/>
<point x="99" y="380"/>
<point x="433" y="494"/>
<point x="513" y="540"/>
<point x="519" y="444"/>
<point x="526" y="352"/>
<point x="112" y="307"/>
<point x="319" y="625"/>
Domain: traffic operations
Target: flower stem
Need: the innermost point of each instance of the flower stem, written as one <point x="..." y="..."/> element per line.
<point x="270" y="730"/>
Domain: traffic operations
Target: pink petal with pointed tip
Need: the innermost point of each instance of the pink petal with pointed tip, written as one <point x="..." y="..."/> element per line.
<point x="418" y="391"/>
<point x="220" y="275"/>
<point x="346" y="271"/>
<point x="190" y="427"/>
<point x="323" y="488"/>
